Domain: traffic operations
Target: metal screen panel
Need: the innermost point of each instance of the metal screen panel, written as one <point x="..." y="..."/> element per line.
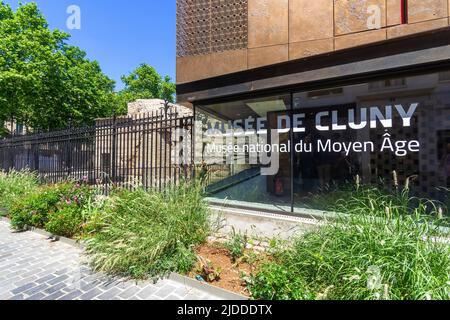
<point x="207" y="26"/>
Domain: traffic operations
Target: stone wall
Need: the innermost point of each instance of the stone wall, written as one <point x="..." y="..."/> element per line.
<point x="144" y="152"/>
<point x="145" y="106"/>
<point x="282" y="30"/>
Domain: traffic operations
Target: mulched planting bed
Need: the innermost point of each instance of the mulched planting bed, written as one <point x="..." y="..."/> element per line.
<point x="217" y="268"/>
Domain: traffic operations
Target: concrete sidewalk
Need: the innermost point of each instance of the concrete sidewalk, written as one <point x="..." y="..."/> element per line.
<point x="33" y="268"/>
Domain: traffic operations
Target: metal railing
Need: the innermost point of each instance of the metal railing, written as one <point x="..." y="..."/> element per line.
<point x="122" y="151"/>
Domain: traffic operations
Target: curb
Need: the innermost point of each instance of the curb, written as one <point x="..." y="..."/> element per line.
<point x="68" y="241"/>
<point x="218" y="292"/>
<point x="206" y="287"/>
<point x="44" y="233"/>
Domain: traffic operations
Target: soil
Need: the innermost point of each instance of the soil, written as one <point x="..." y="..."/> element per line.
<point x="230" y="273"/>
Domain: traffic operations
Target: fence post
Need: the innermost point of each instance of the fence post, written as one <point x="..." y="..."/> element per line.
<point x="69" y="153"/>
<point x="114" y="151"/>
<point x="192" y="164"/>
<point x="11" y="150"/>
<point x="36" y="159"/>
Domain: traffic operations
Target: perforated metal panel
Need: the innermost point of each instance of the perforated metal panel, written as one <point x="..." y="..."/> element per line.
<point x="229" y="29"/>
<point x="206" y="26"/>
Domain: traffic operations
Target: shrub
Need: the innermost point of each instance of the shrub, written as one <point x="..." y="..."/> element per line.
<point x="181" y="259"/>
<point x="66" y="222"/>
<point x="36" y="208"/>
<point x="276" y="282"/>
<point x="16" y="184"/>
<point x="150" y="233"/>
<point x="369" y="255"/>
<point x="93" y="215"/>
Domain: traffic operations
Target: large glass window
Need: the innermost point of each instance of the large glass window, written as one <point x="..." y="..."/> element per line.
<point x="389" y="134"/>
<point x="243" y="174"/>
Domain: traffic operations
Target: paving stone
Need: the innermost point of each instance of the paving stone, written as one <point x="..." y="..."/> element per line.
<point x="173" y="297"/>
<point x="106" y="285"/>
<point x="71" y="295"/>
<point x="7" y="287"/>
<point x="58" y="279"/>
<point x="147" y="292"/>
<point x="4" y="256"/>
<point x="23" y="282"/>
<point x="129" y="292"/>
<point x="9" y="281"/>
<point x="37" y="296"/>
<point x="191" y="296"/>
<point x="91" y="294"/>
<point x="53" y="289"/>
<point x="45" y="279"/>
<point x="7" y="267"/>
<point x="19" y="272"/>
<point x="123" y="285"/>
<point x="36" y="289"/>
<point x="55" y="295"/>
<point x="110" y="294"/>
<point x="165" y="291"/>
<point x="6" y="296"/>
<point x="23" y="288"/>
<point x="87" y="286"/>
<point x="39" y="270"/>
<point x="182" y="291"/>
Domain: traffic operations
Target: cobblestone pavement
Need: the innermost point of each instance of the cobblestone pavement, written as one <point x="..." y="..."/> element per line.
<point x="33" y="268"/>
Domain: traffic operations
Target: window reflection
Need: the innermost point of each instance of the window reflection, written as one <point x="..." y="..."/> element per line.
<point x="338" y="139"/>
<point x="425" y="172"/>
<point x="240" y="178"/>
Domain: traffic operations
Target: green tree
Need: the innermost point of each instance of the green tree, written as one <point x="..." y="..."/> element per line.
<point x="44" y="81"/>
<point x="146" y="83"/>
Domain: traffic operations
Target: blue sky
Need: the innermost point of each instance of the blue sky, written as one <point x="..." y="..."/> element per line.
<point x="119" y="34"/>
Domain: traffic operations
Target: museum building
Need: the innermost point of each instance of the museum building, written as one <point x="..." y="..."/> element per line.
<point x="357" y="92"/>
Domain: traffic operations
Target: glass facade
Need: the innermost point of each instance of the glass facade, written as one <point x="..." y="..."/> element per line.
<point x="236" y="176"/>
<point x="294" y="151"/>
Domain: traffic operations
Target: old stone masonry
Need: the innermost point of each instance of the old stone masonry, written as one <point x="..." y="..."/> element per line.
<point x="33" y="268"/>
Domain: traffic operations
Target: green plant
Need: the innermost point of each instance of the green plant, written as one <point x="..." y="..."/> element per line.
<point x="207" y="271"/>
<point x="252" y="258"/>
<point x="358" y="198"/>
<point x="69" y="219"/>
<point x="276" y="282"/>
<point x="384" y="253"/>
<point x="36" y="208"/>
<point x="94" y="215"/>
<point x="236" y="245"/>
<point x="66" y="222"/>
<point x="16" y="184"/>
<point x="150" y="233"/>
<point x="180" y="259"/>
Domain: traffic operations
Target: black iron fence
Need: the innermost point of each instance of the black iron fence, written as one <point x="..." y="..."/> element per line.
<point x="123" y="151"/>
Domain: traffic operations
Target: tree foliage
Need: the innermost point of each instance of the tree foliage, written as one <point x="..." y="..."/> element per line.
<point x="145" y="83"/>
<point x="44" y="81"/>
